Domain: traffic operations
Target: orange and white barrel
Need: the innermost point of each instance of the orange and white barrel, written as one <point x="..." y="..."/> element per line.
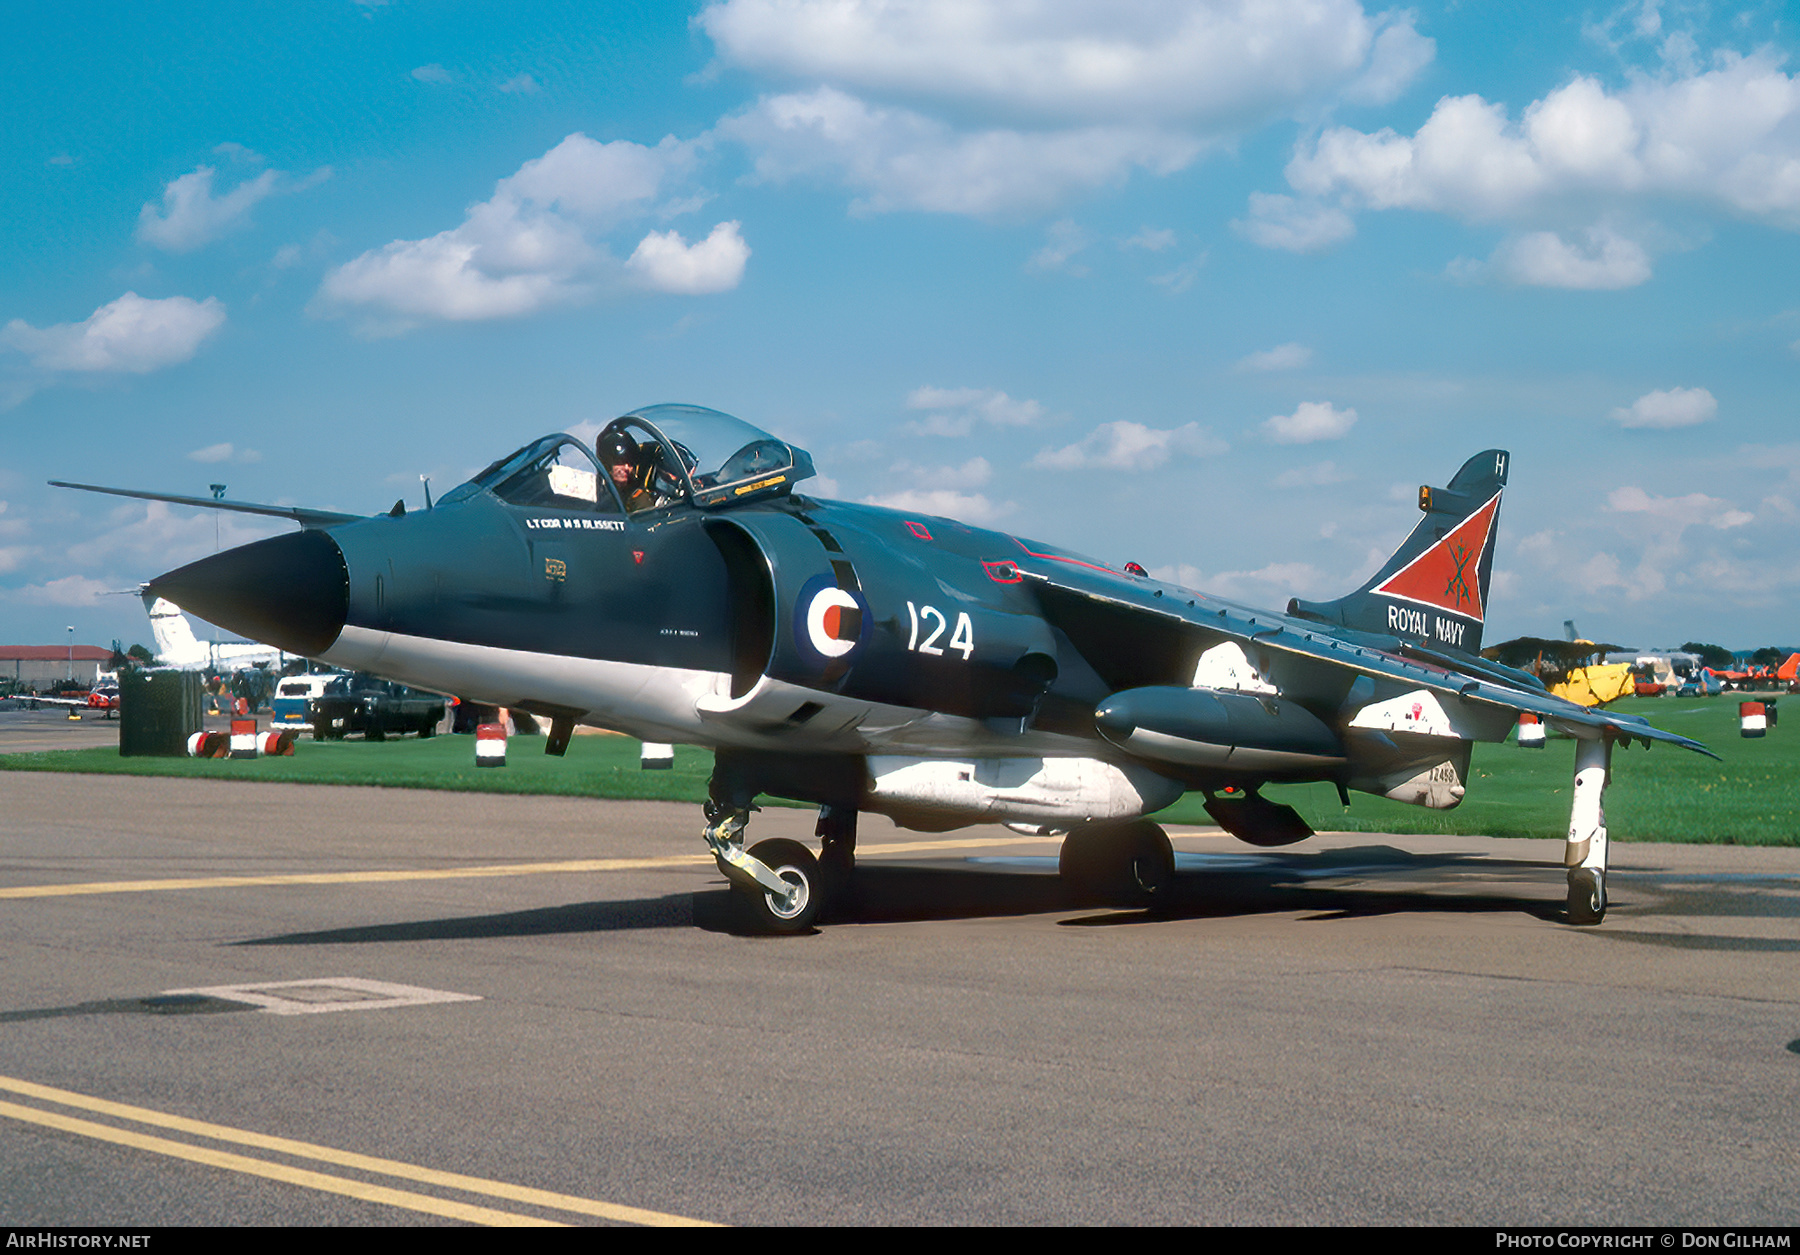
<point x="243" y="738"/>
<point x="1753" y="720"/>
<point x="490" y="745"/>
<point x="1531" y="731"/>
<point x="276" y="744"/>
<point x="656" y="757"/>
<point x="208" y="745"/>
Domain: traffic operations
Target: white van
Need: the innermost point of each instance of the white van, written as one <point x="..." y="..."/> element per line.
<point x="292" y="695"/>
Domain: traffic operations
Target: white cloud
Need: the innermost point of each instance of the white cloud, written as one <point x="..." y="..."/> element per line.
<point x="664" y="262"/>
<point x="226" y="452"/>
<point x="955" y="411"/>
<point x="536" y="242"/>
<point x="191" y="215"/>
<point x="1050" y="99"/>
<point x="1294" y="225"/>
<point x="1677" y="407"/>
<point x="1150" y="239"/>
<point x="974" y="473"/>
<point x="1132" y="446"/>
<point x="1317" y="475"/>
<point x="1211" y="64"/>
<point x="1065" y="239"/>
<point x="1729" y="137"/>
<point x="1694" y="509"/>
<point x="132" y="334"/>
<point x="521" y="84"/>
<point x="433" y="73"/>
<point x="1290" y="356"/>
<point x="1271" y="585"/>
<point x="969" y="507"/>
<point x="898" y="159"/>
<point x="1182" y="277"/>
<point x="1312" y="421"/>
<point x="70" y="590"/>
<point x="1603" y="261"/>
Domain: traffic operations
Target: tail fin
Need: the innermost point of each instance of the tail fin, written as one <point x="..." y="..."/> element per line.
<point x="1434" y="589"/>
<point x="175" y="643"/>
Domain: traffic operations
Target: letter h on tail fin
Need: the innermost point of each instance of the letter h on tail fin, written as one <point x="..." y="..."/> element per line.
<point x="1434" y="588"/>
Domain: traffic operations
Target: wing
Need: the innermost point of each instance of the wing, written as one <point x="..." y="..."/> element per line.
<point x="1165" y="611"/>
<point x="300" y="514"/>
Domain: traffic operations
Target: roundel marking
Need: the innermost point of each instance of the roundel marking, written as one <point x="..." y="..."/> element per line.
<point x="834" y="621"/>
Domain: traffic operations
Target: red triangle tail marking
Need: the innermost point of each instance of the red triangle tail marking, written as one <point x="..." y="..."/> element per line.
<point x="1447" y="575"/>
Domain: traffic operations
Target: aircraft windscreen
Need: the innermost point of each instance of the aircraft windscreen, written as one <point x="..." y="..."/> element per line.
<point x="724" y="458"/>
<point x="556" y="472"/>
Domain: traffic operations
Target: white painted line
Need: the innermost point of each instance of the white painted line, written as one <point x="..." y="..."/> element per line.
<point x="326" y="993"/>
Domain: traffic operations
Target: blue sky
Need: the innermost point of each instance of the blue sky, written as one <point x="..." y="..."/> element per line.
<point x="1210" y="286"/>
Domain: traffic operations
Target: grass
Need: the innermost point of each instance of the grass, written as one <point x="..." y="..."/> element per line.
<point x="1665" y="794"/>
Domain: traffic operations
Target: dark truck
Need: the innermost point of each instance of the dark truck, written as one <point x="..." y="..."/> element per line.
<point x="375" y="708"/>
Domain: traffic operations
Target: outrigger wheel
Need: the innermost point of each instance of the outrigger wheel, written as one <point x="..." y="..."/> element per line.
<point x="1129" y="863"/>
<point x="1587" y="895"/>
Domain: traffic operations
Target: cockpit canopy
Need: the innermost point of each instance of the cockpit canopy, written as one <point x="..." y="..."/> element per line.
<point x="684" y="453"/>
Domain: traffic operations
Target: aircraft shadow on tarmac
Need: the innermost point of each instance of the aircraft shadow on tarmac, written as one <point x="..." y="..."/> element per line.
<point x="1340" y="884"/>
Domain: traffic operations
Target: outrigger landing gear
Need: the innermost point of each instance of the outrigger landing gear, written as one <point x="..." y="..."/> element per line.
<point x="1585" y="854"/>
<point x="836" y="831"/>
<point x="778" y="878"/>
<point x="1129" y="864"/>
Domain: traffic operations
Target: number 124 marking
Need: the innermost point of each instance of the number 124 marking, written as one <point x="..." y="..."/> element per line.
<point x="962" y="639"/>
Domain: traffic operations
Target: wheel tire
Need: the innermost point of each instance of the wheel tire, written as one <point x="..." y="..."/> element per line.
<point x="1129" y="864"/>
<point x="1587" y="896"/>
<point x="375" y="732"/>
<point x="795" y="864"/>
<point x="427" y="728"/>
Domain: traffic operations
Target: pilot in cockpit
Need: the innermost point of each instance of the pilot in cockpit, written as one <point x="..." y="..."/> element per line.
<point x="631" y="466"/>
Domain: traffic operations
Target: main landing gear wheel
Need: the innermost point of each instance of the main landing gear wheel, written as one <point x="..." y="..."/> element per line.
<point x="1587" y="895"/>
<point x="1128" y="864"/>
<point x="795" y="864"/>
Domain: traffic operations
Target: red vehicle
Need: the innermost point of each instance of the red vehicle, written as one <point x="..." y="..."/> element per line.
<point x="104" y="698"/>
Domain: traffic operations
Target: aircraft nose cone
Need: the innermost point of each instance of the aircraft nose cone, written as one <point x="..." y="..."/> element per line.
<point x="291" y="591"/>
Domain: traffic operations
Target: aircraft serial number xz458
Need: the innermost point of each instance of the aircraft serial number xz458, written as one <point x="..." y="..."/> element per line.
<point x="677" y="588"/>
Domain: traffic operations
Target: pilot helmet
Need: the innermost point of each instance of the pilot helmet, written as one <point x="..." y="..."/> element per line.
<point x="615" y="448"/>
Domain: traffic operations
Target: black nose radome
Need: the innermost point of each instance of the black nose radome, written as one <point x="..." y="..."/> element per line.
<point x="291" y="592"/>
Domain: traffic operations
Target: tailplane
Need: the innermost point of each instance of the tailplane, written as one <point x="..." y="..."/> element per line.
<point x="1434" y="589"/>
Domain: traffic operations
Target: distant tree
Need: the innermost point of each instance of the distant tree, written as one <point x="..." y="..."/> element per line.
<point x="1769" y="656"/>
<point x="143" y="656"/>
<point x="1715" y="656"/>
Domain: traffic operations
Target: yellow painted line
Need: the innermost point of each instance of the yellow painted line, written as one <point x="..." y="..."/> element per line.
<point x="273" y="1171"/>
<point x="459" y="873"/>
<point x="324" y="1154"/>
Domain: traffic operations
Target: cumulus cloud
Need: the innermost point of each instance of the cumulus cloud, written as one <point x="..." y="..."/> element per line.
<point x="536" y="243"/>
<point x="191" y="215"/>
<point x="1293" y="225"/>
<point x="971" y="474"/>
<point x="1211" y="64"/>
<point x="1677" y="407"/>
<point x="1693" y="510"/>
<point x="1290" y="356"/>
<point x="945" y="502"/>
<point x="70" y="590"/>
<point x="132" y="334"/>
<point x="226" y="452"/>
<point x="1728" y="137"/>
<point x="1050" y="100"/>
<point x="433" y="73"/>
<point x="1603" y="260"/>
<point x="897" y="158"/>
<point x="1271" y="585"/>
<point x="955" y="411"/>
<point x="1131" y="446"/>
<point x="1317" y="475"/>
<point x="1065" y="239"/>
<point x="1312" y="421"/>
<point x="664" y="262"/>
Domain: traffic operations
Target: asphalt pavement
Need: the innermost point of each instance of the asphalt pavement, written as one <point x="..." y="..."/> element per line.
<point x="286" y="1004"/>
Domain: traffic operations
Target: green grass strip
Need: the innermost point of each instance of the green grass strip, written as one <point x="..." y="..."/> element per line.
<point x="1664" y="794"/>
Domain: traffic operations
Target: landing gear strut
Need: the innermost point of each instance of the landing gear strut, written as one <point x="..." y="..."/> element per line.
<point x="1585" y="854"/>
<point x="779" y="879"/>
<point x="1129" y="863"/>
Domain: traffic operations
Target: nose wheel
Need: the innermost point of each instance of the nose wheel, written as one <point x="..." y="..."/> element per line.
<point x="792" y="863"/>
